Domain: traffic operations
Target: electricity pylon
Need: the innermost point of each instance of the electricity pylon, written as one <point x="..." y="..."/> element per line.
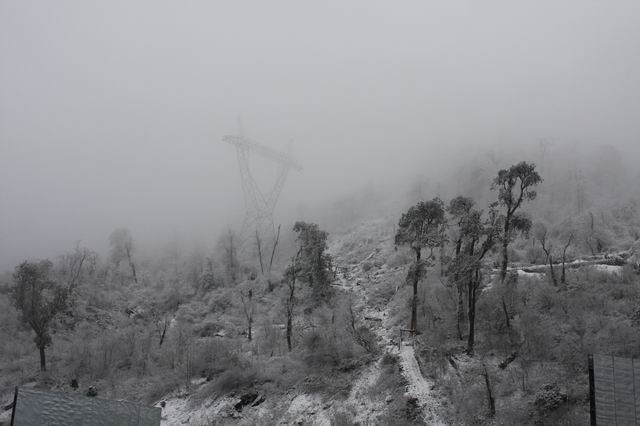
<point x="259" y="206"/>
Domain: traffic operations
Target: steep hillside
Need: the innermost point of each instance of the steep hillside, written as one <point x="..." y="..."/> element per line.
<point x="386" y="387"/>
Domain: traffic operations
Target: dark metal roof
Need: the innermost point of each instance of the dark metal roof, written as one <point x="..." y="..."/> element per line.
<point x="615" y="390"/>
<point x="36" y="408"/>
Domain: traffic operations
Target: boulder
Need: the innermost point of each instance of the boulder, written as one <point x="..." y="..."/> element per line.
<point x="245" y="400"/>
<point x="91" y="391"/>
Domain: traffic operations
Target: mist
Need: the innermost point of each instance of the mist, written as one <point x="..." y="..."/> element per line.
<point x="112" y="114"/>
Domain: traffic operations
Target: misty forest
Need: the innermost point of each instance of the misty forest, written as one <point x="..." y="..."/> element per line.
<point x="356" y="214"/>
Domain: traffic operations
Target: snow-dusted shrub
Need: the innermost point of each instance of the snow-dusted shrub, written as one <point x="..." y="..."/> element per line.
<point x="398" y="258"/>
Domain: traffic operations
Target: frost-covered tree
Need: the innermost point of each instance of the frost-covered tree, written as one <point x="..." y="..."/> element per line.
<point x="290" y="276"/>
<point x="314" y="263"/>
<point x="461" y="211"/>
<point x="420" y="227"/>
<point x="514" y="187"/>
<point x="228" y="247"/>
<point x="39" y="299"/>
<point x="122" y="249"/>
<point x="476" y="238"/>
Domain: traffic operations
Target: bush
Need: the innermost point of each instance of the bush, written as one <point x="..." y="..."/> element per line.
<point x="237" y="378"/>
<point x="162" y="385"/>
<point x="399" y="258"/>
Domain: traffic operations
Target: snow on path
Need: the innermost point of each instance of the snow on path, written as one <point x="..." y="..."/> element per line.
<point x="419" y="387"/>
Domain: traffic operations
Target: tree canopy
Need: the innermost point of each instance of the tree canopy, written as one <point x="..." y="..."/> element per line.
<point x="38" y="299"/>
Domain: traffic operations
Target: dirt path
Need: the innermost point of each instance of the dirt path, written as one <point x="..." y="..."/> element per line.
<point x="418" y="386"/>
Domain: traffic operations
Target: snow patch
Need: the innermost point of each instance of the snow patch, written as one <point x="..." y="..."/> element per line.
<point x="306" y="409"/>
<point x="609" y="269"/>
<point x="419" y="387"/>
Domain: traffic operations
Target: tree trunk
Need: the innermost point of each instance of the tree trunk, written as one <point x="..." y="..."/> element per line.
<point x="414" y="303"/>
<point x="273" y="250"/>
<point x="290" y="302"/>
<point x="43" y="362"/>
<point x="259" y="245"/>
<point x="164" y="333"/>
<point x="506" y="313"/>
<point x="133" y="267"/>
<point x="563" y="278"/>
<point x="460" y="316"/>
<point x="289" y="327"/>
<point x="456" y="278"/>
<point x="553" y="274"/>
<point x="505" y="249"/>
<point x="442" y="272"/>
<point x="472" y="315"/>
<point x="490" y="400"/>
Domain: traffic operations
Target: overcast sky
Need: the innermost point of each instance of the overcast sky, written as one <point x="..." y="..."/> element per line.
<point x="112" y="112"/>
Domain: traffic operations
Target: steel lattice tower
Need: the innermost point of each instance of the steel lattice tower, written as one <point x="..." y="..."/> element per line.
<point x="259" y="206"/>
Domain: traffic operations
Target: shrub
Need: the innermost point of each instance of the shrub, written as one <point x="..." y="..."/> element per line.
<point x="237" y="378"/>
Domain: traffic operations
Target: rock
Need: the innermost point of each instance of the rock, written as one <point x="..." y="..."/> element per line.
<point x="245" y="399"/>
<point x="258" y="401"/>
<point x="412" y="409"/>
<point x="388" y="399"/>
<point x="91" y="391"/>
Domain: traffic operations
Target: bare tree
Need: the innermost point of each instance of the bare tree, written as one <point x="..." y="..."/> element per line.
<point x="361" y="335"/>
<point x="230" y="262"/>
<point x="75" y="267"/>
<point x="247" y="307"/>
<point x="547" y="247"/>
<point x="259" y="248"/>
<point x="273" y="250"/>
<point x="71" y="265"/>
<point x="122" y="248"/>
<point x="291" y="275"/>
<point x="162" y="325"/>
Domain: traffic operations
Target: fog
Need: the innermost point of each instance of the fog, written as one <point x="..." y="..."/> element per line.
<point x="112" y="113"/>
